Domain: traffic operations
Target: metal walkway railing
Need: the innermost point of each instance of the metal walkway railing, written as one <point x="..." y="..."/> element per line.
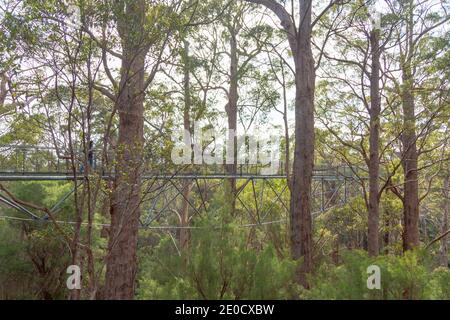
<point x="20" y="162"/>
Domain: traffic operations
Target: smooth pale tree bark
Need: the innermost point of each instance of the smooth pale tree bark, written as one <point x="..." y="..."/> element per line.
<point x="240" y="57"/>
<point x="287" y="151"/>
<point x="121" y="261"/>
<point x="300" y="210"/>
<point x="374" y="143"/>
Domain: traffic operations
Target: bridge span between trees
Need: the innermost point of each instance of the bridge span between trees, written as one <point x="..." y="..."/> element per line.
<point x="259" y="195"/>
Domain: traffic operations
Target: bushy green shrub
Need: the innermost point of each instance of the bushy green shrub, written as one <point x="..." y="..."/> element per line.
<point x="409" y="276"/>
<point x="16" y="270"/>
<point x="225" y="272"/>
<point x="220" y="263"/>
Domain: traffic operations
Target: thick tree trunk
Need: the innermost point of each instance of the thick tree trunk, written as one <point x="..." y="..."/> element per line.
<point x="409" y="138"/>
<point x="300" y="212"/>
<point x="121" y="261"/>
<point x="374" y="142"/>
<point x="444" y="227"/>
<point x="409" y="163"/>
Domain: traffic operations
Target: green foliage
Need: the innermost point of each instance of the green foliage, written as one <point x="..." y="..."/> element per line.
<point x="410" y="276"/>
<point x="33" y="255"/>
<point x="23" y="130"/>
<point x="220" y="263"/>
<point x="51" y="67"/>
<point x="15" y="269"/>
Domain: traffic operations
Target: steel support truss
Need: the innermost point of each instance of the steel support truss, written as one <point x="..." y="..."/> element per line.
<point x="260" y="197"/>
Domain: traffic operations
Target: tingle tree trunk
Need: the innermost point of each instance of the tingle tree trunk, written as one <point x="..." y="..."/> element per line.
<point x="125" y="207"/>
<point x="409" y="139"/>
<point x="300" y="211"/>
<point x="409" y="163"/>
<point x="374" y="137"/>
<point x="121" y="260"/>
<point x="300" y="202"/>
